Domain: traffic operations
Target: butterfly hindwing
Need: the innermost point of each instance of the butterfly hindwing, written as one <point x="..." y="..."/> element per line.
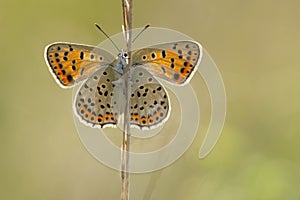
<point x="149" y="102"/>
<point x="174" y="62"/>
<point x="71" y="63"/>
<point x="95" y="103"/>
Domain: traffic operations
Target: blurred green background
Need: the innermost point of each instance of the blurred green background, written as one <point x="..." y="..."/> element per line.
<point x="256" y="46"/>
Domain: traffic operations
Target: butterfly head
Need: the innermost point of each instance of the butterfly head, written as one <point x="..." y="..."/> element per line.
<point x="122" y="61"/>
<point x="123" y="55"/>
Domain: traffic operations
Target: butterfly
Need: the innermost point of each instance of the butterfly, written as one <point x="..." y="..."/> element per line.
<point x="99" y="100"/>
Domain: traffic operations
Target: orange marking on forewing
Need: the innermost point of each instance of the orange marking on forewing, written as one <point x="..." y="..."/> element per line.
<point x="178" y="64"/>
<point x="156" y="64"/>
<point x="68" y="54"/>
<point x="67" y="69"/>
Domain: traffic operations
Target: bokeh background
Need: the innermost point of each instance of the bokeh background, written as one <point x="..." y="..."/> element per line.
<point x="254" y="43"/>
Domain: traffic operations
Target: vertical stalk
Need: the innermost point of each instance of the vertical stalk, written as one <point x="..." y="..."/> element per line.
<point x="127" y="26"/>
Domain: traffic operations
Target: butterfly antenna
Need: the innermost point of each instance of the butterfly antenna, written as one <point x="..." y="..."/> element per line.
<point x="147" y="26"/>
<point x="107" y="36"/>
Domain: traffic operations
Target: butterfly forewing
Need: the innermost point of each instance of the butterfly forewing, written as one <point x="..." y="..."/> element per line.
<point x="149" y="102"/>
<point x="174" y="62"/>
<point x="96" y="103"/>
<point x="71" y="63"/>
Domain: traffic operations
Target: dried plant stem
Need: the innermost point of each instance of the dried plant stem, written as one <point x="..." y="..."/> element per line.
<point x="127" y="23"/>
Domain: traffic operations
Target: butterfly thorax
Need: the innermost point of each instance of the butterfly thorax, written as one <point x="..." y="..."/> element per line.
<point x="120" y="62"/>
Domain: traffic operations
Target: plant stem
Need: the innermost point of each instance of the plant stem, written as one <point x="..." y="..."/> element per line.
<point x="127" y="23"/>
